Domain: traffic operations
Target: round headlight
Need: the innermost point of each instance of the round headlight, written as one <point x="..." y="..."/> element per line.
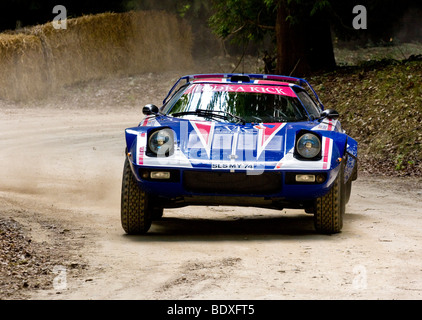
<point x="161" y="142"/>
<point x="308" y="145"/>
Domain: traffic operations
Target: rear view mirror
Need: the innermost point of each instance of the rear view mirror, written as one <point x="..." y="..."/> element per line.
<point x="330" y="114"/>
<point x="150" y="109"/>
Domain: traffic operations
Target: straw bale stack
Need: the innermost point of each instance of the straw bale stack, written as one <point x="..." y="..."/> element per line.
<point x="21" y="66"/>
<point x="42" y="59"/>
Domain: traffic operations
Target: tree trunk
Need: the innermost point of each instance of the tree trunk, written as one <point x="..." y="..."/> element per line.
<point x="291" y="54"/>
<point x="320" y="44"/>
<point x="304" y="46"/>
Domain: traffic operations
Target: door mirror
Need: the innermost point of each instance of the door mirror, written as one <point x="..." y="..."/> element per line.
<point x="330" y="114"/>
<point x="150" y="109"/>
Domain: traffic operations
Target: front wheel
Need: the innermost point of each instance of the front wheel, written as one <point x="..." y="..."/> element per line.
<point x="348" y="191"/>
<point x="330" y="208"/>
<point x="135" y="212"/>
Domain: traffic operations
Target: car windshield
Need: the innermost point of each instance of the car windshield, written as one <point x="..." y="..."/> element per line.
<point x="224" y="102"/>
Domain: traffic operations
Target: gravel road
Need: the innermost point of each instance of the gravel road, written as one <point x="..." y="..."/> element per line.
<point x="61" y="163"/>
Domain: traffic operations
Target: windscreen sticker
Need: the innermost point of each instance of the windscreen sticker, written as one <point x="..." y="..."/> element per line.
<point x="276" y="90"/>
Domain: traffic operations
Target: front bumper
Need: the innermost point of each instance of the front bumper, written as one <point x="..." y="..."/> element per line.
<point x="269" y="188"/>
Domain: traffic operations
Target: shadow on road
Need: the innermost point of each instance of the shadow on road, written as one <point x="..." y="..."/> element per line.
<point x="255" y="228"/>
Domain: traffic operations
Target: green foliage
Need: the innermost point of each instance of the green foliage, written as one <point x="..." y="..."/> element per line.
<point x="242" y="20"/>
<point x="320" y="6"/>
<point x="380" y="105"/>
<point x="399" y="162"/>
<point x="253" y="19"/>
<point x="194" y="9"/>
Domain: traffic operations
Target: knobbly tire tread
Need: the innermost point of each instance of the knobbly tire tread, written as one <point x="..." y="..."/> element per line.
<point x="330" y="208"/>
<point x="135" y="216"/>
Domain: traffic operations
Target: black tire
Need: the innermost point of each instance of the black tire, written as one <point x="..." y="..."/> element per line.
<point x="330" y="208"/>
<point x="135" y="212"/>
<point x="157" y="214"/>
<point x="309" y="210"/>
<point x="347" y="191"/>
<point x="348" y="185"/>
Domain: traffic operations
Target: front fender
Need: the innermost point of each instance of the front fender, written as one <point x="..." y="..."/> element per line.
<point x="136" y="143"/>
<point x="351" y="168"/>
<point x="346" y="149"/>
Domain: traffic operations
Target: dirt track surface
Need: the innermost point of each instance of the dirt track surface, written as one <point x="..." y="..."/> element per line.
<point x="61" y="164"/>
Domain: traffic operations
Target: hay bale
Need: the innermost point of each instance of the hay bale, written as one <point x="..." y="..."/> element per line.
<point x="22" y="67"/>
<point x="96" y="46"/>
<point x="92" y="47"/>
<point x="89" y="48"/>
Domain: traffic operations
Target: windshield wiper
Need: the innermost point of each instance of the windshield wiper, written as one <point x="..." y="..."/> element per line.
<point x="211" y="113"/>
<point x="229" y="114"/>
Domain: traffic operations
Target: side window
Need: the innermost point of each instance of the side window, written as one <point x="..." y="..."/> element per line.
<point x="309" y="104"/>
<point x="173" y="100"/>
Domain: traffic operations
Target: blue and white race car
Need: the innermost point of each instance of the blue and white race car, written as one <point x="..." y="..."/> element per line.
<point x="242" y="140"/>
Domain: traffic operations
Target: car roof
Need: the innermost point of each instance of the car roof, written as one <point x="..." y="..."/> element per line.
<point x="267" y="79"/>
<point x="225" y="80"/>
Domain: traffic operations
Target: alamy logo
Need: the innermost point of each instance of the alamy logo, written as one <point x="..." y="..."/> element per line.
<point x="360" y="281"/>
<point x="60" y="21"/>
<point x="60" y="281"/>
<point x="360" y="21"/>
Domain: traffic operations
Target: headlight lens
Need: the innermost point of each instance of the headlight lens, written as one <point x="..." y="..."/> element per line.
<point x="161" y="142"/>
<point x="308" y="145"/>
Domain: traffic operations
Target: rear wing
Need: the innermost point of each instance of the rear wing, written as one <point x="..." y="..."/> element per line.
<point x="235" y="77"/>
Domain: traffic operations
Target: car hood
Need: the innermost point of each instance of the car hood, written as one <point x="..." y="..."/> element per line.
<point x="219" y="141"/>
<point x="219" y="145"/>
